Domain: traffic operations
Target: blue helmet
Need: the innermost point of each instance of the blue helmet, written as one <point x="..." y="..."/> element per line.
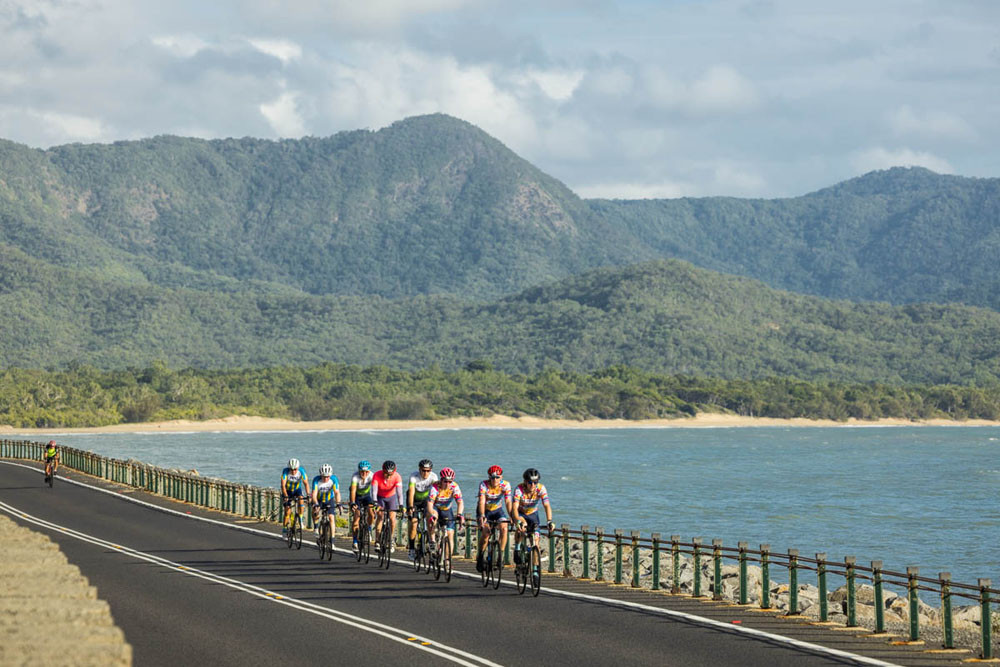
<point x="364" y="465"/>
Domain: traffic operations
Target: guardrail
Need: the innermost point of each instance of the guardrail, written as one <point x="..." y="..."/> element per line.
<point x="626" y="558"/>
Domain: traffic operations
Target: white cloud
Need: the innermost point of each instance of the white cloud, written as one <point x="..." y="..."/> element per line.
<point x="283" y="116"/>
<point x="282" y="49"/>
<point x="882" y="158"/>
<point x="723" y="89"/>
<point x="932" y="124"/>
<point x="182" y="46"/>
<point x="73" y="127"/>
<point x="662" y="190"/>
<point x="556" y="84"/>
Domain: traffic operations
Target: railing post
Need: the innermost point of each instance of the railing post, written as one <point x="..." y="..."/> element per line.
<point x="656" y="561"/>
<point x="635" y="559"/>
<point x="765" y="577"/>
<point x="585" y="535"/>
<point x="565" y="545"/>
<point x="911" y="589"/>
<point x="852" y="617"/>
<point x="696" y="541"/>
<point x="743" y="571"/>
<point x="986" y="619"/>
<point x="793" y="582"/>
<point x="717" y="569"/>
<point x="675" y="555"/>
<point x="946" y="621"/>
<point x="879" y="597"/>
<point x="600" y="552"/>
<point x="618" y="555"/>
<point x="552" y="551"/>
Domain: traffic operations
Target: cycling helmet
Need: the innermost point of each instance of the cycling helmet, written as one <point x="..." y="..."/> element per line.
<point x="531" y="475"/>
<point x="364" y="465"/>
<point x="495" y="471"/>
<point x="388" y="467"/>
<point x="325" y="470"/>
<point x="52" y="443"/>
<point x="425" y="463"/>
<point x="446" y="474"/>
<point x="293" y="464"/>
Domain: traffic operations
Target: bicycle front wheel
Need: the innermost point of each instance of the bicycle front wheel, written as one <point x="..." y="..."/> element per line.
<point x="497" y="564"/>
<point x="386" y="542"/>
<point x="298" y="532"/>
<point x="289" y="532"/>
<point x="520" y="568"/>
<point x="446" y="558"/>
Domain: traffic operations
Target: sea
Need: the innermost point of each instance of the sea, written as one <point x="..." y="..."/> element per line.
<point x="909" y="496"/>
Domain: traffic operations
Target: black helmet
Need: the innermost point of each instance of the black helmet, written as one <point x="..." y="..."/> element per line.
<point x="530" y="475"/>
<point x="388" y="467"/>
<point x="425" y="463"/>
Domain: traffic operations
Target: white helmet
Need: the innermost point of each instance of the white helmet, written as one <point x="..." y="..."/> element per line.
<point x="325" y="470"/>
<point x="293" y="464"/>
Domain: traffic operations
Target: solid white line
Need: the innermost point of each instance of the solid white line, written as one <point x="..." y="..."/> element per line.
<point x="788" y="641"/>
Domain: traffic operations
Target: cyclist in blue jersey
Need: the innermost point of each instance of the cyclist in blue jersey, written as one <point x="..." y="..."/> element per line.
<point x="294" y="488"/>
<point x="325" y="493"/>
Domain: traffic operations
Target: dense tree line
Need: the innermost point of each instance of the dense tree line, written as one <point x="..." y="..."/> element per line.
<point x="85" y="396"/>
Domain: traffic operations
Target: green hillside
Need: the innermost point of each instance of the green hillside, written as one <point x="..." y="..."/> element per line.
<point x="665" y="316"/>
<point x="901" y="235"/>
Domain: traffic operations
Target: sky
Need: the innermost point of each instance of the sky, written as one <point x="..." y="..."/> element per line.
<point x="629" y="99"/>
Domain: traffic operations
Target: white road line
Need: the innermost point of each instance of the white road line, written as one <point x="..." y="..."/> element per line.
<point x="739" y="629"/>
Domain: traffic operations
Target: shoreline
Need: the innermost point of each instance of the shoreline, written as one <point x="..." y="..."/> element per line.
<point x="239" y="423"/>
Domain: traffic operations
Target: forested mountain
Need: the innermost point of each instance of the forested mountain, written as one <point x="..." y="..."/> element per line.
<point x="664" y="316"/>
<point x="429" y="205"/>
<point x="901" y="235"/>
<point x="433" y="205"/>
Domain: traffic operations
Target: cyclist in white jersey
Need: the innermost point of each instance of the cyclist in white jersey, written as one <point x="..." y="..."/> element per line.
<point x="362" y="498"/>
<point x="417" y="492"/>
<point x="325" y="493"/>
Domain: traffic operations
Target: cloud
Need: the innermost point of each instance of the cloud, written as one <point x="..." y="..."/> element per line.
<point x="181" y="46"/>
<point x="282" y="49"/>
<point x="663" y="190"/>
<point x="905" y="121"/>
<point x="881" y="158"/>
<point x="283" y="116"/>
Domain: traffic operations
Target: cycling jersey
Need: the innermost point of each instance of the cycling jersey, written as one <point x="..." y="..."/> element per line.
<point x="50" y="453"/>
<point x="496" y="499"/>
<point x="421" y="487"/>
<point x="324" y="490"/>
<point x="387" y="486"/>
<point x="446" y="498"/>
<point x="528" y="502"/>
<point x="364" y="489"/>
<point x="294" y="481"/>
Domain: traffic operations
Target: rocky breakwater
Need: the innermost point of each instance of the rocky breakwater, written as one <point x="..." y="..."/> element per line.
<point x="966" y="618"/>
<point x="49" y="613"/>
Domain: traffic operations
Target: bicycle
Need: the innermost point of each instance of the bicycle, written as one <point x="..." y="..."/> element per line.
<point x="293" y="534"/>
<point x="421" y="548"/>
<point x="50" y="473"/>
<point x="325" y="539"/>
<point x="385" y="541"/>
<point x="528" y="563"/>
<point x="440" y="558"/>
<point x="364" y="534"/>
<point x="493" y="558"/>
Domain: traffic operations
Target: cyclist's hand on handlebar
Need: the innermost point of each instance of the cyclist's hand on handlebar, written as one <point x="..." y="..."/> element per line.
<point x="551" y="526"/>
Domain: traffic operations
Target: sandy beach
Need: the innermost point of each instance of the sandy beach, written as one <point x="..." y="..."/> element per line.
<point x="704" y="420"/>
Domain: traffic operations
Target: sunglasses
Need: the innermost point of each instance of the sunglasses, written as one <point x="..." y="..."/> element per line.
<point x="495" y="476"/>
<point x="425" y="470"/>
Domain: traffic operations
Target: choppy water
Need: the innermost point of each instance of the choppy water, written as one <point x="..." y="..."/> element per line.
<point x="910" y="496"/>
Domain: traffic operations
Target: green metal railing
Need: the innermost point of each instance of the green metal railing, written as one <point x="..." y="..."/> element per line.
<point x="264" y="504"/>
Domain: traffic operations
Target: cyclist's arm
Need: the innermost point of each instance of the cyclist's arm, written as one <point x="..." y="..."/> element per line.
<point x="481" y="504"/>
<point x="515" y="510"/>
<point x="281" y="485"/>
<point x="313" y="495"/>
<point x="399" y="491"/>
<point x="548" y="510"/>
<point x="353" y="492"/>
<point x="410" y="492"/>
<point x="507" y="501"/>
<point x="336" y="493"/>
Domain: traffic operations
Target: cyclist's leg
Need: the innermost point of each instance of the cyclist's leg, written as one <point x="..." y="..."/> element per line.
<point x="414" y="524"/>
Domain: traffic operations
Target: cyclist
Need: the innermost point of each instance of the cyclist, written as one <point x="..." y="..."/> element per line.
<point x="362" y="496"/>
<point x="527" y="497"/>
<point x="442" y="498"/>
<point x="416" y="496"/>
<point x="325" y="493"/>
<point x="294" y="488"/>
<point x="51" y="459"/>
<point x="389" y="488"/>
<point x="494" y="504"/>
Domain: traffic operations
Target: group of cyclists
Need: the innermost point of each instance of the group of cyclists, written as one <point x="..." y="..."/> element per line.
<point x="429" y="497"/>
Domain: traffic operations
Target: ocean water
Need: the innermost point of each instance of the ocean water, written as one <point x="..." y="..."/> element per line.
<point x="924" y="496"/>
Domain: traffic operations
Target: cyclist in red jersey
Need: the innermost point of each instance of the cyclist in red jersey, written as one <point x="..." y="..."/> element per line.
<point x="389" y="496"/>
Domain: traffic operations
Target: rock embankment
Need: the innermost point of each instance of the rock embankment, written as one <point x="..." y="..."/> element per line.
<point x="49" y="613"/>
<point x="966" y="618"/>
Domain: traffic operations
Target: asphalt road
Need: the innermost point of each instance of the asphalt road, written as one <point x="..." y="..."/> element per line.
<point x="277" y="605"/>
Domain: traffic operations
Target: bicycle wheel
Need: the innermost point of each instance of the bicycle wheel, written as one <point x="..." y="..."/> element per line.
<point x="386" y="542"/>
<point x="418" y="550"/>
<point x="536" y="570"/>
<point x="321" y="541"/>
<point x="485" y="574"/>
<point x="52" y="477"/>
<point x="497" y="563"/>
<point x="289" y="532"/>
<point x="360" y="537"/>
<point x="520" y="568"/>
<point x="327" y="539"/>
<point x="298" y="531"/>
<point x="368" y="544"/>
<point x="446" y="558"/>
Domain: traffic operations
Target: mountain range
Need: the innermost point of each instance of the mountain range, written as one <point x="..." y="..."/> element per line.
<point x="429" y="242"/>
